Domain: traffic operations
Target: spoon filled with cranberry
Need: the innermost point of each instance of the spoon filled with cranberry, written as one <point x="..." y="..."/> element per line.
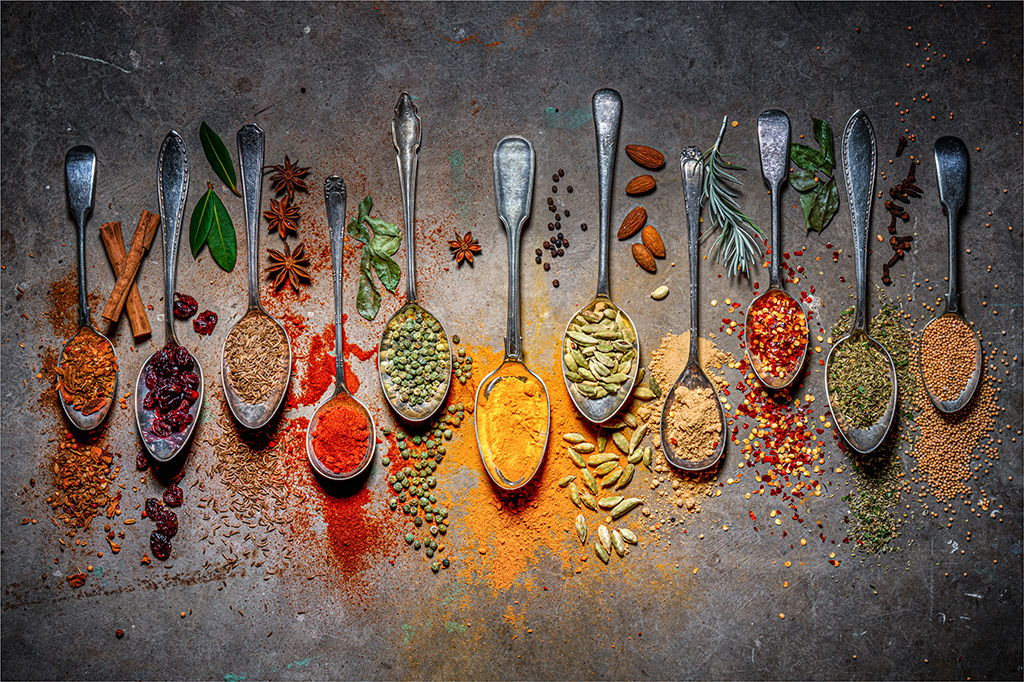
<point x="169" y="390"/>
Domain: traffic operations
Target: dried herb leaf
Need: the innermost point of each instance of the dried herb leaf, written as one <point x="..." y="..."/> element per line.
<point x="218" y="156"/>
<point x="383" y="227"/>
<point x="806" y="157"/>
<point x="823" y="134"/>
<point x="387" y="269"/>
<point x="820" y="205"/>
<point x="368" y="298"/>
<point x="385" y="245"/>
<point x="802" y="180"/>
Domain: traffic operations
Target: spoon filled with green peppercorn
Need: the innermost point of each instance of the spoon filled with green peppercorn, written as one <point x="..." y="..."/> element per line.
<point x="415" y="359"/>
<point x="860" y="377"/>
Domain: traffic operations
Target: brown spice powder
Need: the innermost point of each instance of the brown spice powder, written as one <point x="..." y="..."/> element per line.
<point x="693" y="426"/>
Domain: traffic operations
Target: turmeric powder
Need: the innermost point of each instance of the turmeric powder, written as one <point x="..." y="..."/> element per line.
<point x="512" y="425"/>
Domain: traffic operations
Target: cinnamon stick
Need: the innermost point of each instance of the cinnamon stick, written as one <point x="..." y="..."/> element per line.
<point x="113" y="242"/>
<point x="141" y="240"/>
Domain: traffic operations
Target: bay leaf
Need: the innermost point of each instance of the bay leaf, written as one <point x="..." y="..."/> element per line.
<point x="387" y="269"/>
<point x="218" y="156"/>
<point x="806" y="157"/>
<point x="368" y="298"/>
<point x="823" y="134"/>
<point x="802" y="180"/>
<point x="199" y="226"/>
<point x="220" y="235"/>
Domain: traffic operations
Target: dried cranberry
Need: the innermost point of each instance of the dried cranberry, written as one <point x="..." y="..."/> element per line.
<point x="178" y="476"/>
<point x="173" y="496"/>
<point x="142" y="461"/>
<point x="185" y="307"/>
<point x="160" y="544"/>
<point x="182" y="358"/>
<point x="152" y="506"/>
<point x="205" y="323"/>
<point x="160" y="428"/>
<point x="149" y="402"/>
<point x="151" y="379"/>
<point x="166" y="522"/>
<point x="190" y="379"/>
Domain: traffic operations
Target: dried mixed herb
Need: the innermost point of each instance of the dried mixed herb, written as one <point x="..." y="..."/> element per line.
<point x="819" y="199"/>
<point x="859" y="383"/>
<point x="380" y="240"/>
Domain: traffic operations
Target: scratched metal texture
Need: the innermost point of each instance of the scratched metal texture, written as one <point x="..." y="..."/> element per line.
<point x="321" y="80"/>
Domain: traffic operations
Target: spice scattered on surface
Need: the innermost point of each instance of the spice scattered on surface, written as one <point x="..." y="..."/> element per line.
<point x="290" y="266"/>
<point x="205" y="323"/>
<point x="185" y="306"/>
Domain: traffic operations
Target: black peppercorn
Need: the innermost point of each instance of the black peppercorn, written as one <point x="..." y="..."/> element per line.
<point x="569" y="189"/>
<point x="558" y="216"/>
<point x="547" y="244"/>
<point x="551" y="207"/>
<point x="566" y="213"/>
<point x="565" y="243"/>
<point x="558" y="225"/>
<point x="554" y="189"/>
<point x="583" y="226"/>
<point x="539" y="252"/>
<point x="555" y="177"/>
<point x="547" y="266"/>
<point x="560" y="236"/>
<point x="554" y="283"/>
<point x="538" y="259"/>
<point x="561" y="252"/>
<point x="561" y="172"/>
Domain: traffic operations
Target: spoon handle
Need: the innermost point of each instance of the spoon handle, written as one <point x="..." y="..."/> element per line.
<point x="80" y="173"/>
<point x="773" y="136"/>
<point x="951" y="170"/>
<point x="172" y="189"/>
<point x="607" y="115"/>
<point x="405" y="132"/>
<point x="859" y="164"/>
<point x="250" y="157"/>
<point x="513" y="190"/>
<point x="335" y="198"/>
<point x="692" y="170"/>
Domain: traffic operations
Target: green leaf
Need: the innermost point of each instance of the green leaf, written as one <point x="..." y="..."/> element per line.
<point x="218" y="156"/>
<point x="383" y="227"/>
<point x="387" y="270"/>
<point x="220" y="234"/>
<point x="364" y="208"/>
<point x="357" y="230"/>
<point x="199" y="225"/>
<point x="368" y="298"/>
<point x="831" y="202"/>
<point x="823" y="134"/>
<point x="385" y="245"/>
<point x="806" y="157"/>
<point x="820" y="206"/>
<point x="802" y="180"/>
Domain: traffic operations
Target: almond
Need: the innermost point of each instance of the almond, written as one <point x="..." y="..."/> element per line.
<point x="645" y="156"/>
<point x="633" y="221"/>
<point x="644" y="258"/>
<point x="652" y="240"/>
<point x="641" y="184"/>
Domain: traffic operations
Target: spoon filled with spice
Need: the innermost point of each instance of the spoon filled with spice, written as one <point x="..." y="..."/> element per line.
<point x="692" y="418"/>
<point x="169" y="389"/>
<point x="415" y="358"/>
<point x="87" y="368"/>
<point x="860" y="377"/>
<point x="257" y="355"/>
<point x="950" y="356"/>
<point x="600" y="349"/>
<point x="776" y="325"/>
<point x="512" y="416"/>
<point x="341" y="436"/>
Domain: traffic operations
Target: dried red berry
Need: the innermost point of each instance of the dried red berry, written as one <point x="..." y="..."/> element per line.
<point x="205" y="323"/>
<point x="173" y="496"/>
<point x="153" y="507"/>
<point x="160" y="544"/>
<point x="142" y="460"/>
<point x="167" y="522"/>
<point x="185" y="307"/>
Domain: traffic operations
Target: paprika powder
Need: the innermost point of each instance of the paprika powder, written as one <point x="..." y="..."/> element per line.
<point x="340" y="436"/>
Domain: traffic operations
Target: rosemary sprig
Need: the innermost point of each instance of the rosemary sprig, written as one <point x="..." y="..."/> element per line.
<point x="739" y="240"/>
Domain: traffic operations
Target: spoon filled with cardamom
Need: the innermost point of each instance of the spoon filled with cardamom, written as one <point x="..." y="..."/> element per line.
<point x="256" y="360"/>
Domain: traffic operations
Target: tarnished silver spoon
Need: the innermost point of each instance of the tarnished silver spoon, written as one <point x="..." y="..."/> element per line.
<point x="405" y="131"/>
<point x="607" y="115"/>
<point x="80" y="172"/>
<point x="693" y="376"/>
<point x="513" y="190"/>
<point x="773" y="135"/>
<point x="253" y="415"/>
<point x="859" y="165"/>
<point x="951" y="169"/>
<point x="334" y="196"/>
<point x="172" y="189"/>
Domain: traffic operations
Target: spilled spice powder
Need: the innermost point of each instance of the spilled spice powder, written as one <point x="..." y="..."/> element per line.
<point x="82" y="475"/>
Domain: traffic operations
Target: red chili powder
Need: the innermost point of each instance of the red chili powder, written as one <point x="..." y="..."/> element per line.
<point x="339" y="440"/>
<point x="319" y="363"/>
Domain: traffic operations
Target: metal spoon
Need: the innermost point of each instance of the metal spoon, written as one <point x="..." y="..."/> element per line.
<point x="513" y="189"/>
<point x="334" y="196"/>
<point x="80" y="172"/>
<point x="172" y="189"/>
<point x="951" y="169"/>
<point x="773" y="135"/>
<point x="859" y="164"/>
<point x="254" y="415"/>
<point x="693" y="376"/>
<point x="405" y="131"/>
<point x="607" y="114"/>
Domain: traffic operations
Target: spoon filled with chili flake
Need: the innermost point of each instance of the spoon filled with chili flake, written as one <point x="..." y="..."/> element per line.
<point x="87" y="368"/>
<point x="341" y="436"/>
<point x="415" y="358"/>
<point x="169" y="390"/>
<point x="860" y="377"/>
<point x="257" y="355"/>
<point x="776" y="326"/>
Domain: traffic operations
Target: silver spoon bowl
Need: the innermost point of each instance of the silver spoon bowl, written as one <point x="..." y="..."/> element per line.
<point x="693" y="376"/>
<point x="258" y="414"/>
<point x="80" y="172"/>
<point x="172" y="189"/>
<point x="951" y="169"/>
<point x="334" y="196"/>
<point x="513" y="189"/>
<point x="405" y="132"/>
<point x="859" y="165"/>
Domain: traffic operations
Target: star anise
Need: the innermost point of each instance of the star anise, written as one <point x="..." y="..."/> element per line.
<point x="282" y="217"/>
<point x="463" y="248"/>
<point x="290" y="266"/>
<point x="288" y="178"/>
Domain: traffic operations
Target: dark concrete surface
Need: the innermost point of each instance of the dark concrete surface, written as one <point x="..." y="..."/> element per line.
<point x="321" y="80"/>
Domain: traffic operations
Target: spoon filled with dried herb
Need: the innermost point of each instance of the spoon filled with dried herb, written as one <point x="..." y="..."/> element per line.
<point x="692" y="422"/>
<point x="776" y="325"/>
<point x="415" y="358"/>
<point x="257" y="355"/>
<point x="950" y="357"/>
<point x="860" y="377"/>
<point x="600" y="349"/>
<point x="169" y="389"/>
<point x="87" y="366"/>
<point x="513" y="414"/>
<point x="341" y="436"/>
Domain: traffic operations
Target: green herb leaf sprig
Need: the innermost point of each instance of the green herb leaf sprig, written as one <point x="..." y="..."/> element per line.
<point x="380" y="240"/>
<point x="739" y="241"/>
<point x="210" y="224"/>
<point x="819" y="198"/>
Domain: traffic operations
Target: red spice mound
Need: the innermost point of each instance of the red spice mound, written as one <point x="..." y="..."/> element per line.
<point x="340" y="437"/>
